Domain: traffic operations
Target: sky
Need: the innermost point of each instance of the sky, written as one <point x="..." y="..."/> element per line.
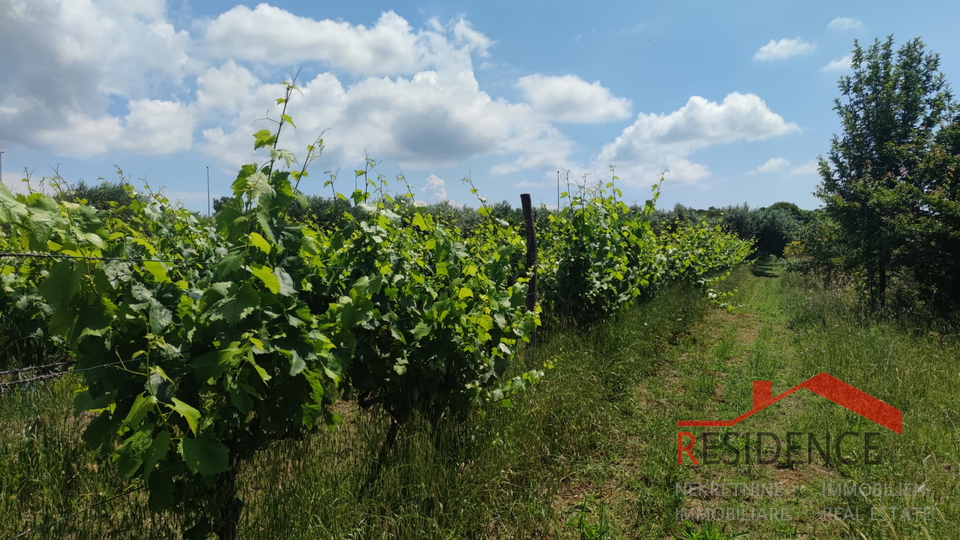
<point x="731" y="101"/>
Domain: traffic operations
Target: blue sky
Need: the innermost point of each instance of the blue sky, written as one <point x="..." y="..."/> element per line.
<point x="735" y="99"/>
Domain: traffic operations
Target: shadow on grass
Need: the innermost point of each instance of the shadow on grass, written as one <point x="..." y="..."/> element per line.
<point x="766" y="266"/>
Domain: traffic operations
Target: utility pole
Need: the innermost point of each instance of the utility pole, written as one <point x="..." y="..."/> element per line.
<point x="558" y="191"/>
<point x="208" y="192"/>
<point x="1" y="166"/>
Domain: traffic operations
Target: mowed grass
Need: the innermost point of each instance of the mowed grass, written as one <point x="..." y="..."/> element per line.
<point x="589" y="453"/>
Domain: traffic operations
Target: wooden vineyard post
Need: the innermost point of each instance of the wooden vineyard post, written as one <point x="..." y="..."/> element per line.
<point x="532" y="293"/>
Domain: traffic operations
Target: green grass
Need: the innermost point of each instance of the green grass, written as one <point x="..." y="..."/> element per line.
<point x="46" y="474"/>
<point x="590" y="453"/>
<point x="791" y="330"/>
<point x="765" y="265"/>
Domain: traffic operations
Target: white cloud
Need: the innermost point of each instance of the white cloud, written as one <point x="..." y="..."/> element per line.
<point x="151" y="127"/>
<point x="271" y="34"/>
<point x="542" y="147"/>
<point x="158" y="127"/>
<point x="81" y="135"/>
<point x="73" y="64"/>
<point x="65" y="61"/>
<point x="571" y="99"/>
<point x="637" y="28"/>
<point x="390" y="47"/>
<point x="227" y="88"/>
<point x="842" y="64"/>
<point x="534" y="184"/>
<point x="785" y="48"/>
<point x="680" y="170"/>
<point x="464" y="33"/>
<point x="665" y="141"/>
<point x="436" y="187"/>
<point x="412" y="97"/>
<point x="150" y="9"/>
<point x="847" y="23"/>
<point x="431" y="119"/>
<point x="772" y="165"/>
<point x="809" y="168"/>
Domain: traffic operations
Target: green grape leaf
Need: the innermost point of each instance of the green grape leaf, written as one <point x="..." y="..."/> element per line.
<point x="130" y="455"/>
<point x="297" y="364"/>
<point x="259" y="242"/>
<point x="237" y="308"/>
<point x="156" y="453"/>
<point x="287" y="287"/>
<point x="142" y="405"/>
<point x="419" y="223"/>
<point x="420" y="330"/>
<point x="157" y="270"/>
<point x="205" y="456"/>
<point x="266" y="275"/>
<point x="263" y="138"/>
<point x="192" y="415"/>
<point x="62" y="284"/>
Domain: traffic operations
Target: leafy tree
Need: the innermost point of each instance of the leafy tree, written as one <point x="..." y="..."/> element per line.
<point x="929" y="253"/>
<point x="103" y="196"/>
<point x="740" y="221"/>
<point x="775" y="227"/>
<point x="219" y="202"/>
<point x="505" y="211"/>
<point x="890" y="109"/>
<point x="667" y="219"/>
<point x="771" y="228"/>
<point x="816" y="249"/>
<point x="798" y="213"/>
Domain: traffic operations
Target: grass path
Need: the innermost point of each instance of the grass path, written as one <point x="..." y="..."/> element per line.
<point x="708" y="375"/>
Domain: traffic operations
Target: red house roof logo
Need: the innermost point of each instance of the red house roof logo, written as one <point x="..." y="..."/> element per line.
<point x="824" y="385"/>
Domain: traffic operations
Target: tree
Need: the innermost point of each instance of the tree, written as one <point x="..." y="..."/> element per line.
<point x="930" y="224"/>
<point x="739" y="219"/>
<point x="798" y="213"/>
<point x="219" y="202"/>
<point x="890" y="108"/>
<point x="776" y="227"/>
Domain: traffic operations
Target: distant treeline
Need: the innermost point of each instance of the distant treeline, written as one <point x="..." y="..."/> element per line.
<point x="771" y="228"/>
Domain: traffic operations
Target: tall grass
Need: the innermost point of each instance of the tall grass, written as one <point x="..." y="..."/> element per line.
<point x="495" y="475"/>
<point x="916" y="372"/>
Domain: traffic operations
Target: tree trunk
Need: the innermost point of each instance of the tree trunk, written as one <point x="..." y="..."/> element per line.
<point x="882" y="282"/>
<point x="872" y="284"/>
